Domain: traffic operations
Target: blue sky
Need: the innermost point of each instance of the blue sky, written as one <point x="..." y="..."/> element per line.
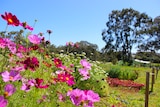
<point x="72" y="20"/>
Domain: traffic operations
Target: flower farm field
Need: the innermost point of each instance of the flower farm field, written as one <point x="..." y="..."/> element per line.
<point x="32" y="76"/>
<point x="130" y="97"/>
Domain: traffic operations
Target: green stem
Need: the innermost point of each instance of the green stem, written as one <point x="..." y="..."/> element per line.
<point x="5" y="31"/>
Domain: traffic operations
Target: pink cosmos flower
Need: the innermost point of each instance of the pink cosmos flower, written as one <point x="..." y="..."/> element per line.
<point x="26" y="26"/>
<point x="69" y="44"/>
<point x="31" y="63"/>
<point x="11" y="76"/>
<point x="21" y="48"/>
<point x="92" y="96"/>
<point x="3" y="102"/>
<point x="39" y="82"/>
<point x="89" y="98"/>
<point x="12" y="47"/>
<point x="85" y="64"/>
<point x="27" y="84"/>
<point x="64" y="68"/>
<point x="76" y="45"/>
<point x="85" y="97"/>
<point x="9" y="90"/>
<point x="57" y="62"/>
<point x="66" y="77"/>
<point x="61" y="96"/>
<point x="35" y="39"/>
<point x="84" y="72"/>
<point x="11" y="19"/>
<point x="2" y="43"/>
<point x="18" y="68"/>
<point x="5" y="42"/>
<point x="76" y="96"/>
<point x="20" y="55"/>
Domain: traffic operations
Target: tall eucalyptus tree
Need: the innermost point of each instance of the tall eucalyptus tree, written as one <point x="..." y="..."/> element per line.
<point x="125" y="28"/>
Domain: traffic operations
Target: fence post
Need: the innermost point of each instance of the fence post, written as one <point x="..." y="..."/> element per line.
<point x="157" y="72"/>
<point x="153" y="78"/>
<point x="147" y="90"/>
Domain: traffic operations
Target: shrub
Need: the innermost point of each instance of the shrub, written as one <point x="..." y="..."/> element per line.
<point x="125" y="74"/>
<point x="128" y="75"/>
<point x="114" y="72"/>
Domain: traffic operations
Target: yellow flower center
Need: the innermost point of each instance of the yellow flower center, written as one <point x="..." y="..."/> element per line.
<point x="57" y="62"/>
<point x="70" y="89"/>
<point x="5" y="94"/>
<point x="67" y="78"/>
<point x="10" y="20"/>
<point x="10" y="78"/>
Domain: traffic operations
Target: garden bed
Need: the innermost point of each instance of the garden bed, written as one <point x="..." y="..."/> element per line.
<point x="125" y="83"/>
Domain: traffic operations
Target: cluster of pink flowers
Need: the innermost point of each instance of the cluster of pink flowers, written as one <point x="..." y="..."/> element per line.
<point x="6" y="43"/>
<point x="85" y="70"/>
<point x="28" y="83"/>
<point x="83" y="97"/>
<point x="72" y="44"/>
<point x="66" y="77"/>
<point x="64" y="74"/>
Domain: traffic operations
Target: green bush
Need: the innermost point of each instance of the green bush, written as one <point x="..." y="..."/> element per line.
<point x="125" y="74"/>
<point x="114" y="72"/>
<point x="128" y="75"/>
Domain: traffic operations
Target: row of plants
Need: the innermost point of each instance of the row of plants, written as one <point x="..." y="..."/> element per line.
<point x="31" y="76"/>
<point x="124" y="74"/>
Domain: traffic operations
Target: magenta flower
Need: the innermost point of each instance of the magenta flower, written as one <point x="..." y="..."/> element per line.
<point x="2" y="43"/>
<point x="57" y="62"/>
<point x="11" y="76"/>
<point x="92" y="96"/>
<point x="76" y="96"/>
<point x="31" y="63"/>
<point x="85" y="64"/>
<point x="39" y="82"/>
<point x="12" y="47"/>
<point x="26" y="26"/>
<point x="35" y="39"/>
<point x="3" y="102"/>
<point x="21" y="48"/>
<point x="9" y="90"/>
<point x="89" y="97"/>
<point x="66" y="77"/>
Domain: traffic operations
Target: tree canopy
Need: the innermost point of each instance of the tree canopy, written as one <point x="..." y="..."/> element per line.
<point x="153" y="41"/>
<point x="125" y="28"/>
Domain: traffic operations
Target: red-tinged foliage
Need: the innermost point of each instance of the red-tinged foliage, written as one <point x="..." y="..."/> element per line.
<point x="47" y="64"/>
<point x="126" y="83"/>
